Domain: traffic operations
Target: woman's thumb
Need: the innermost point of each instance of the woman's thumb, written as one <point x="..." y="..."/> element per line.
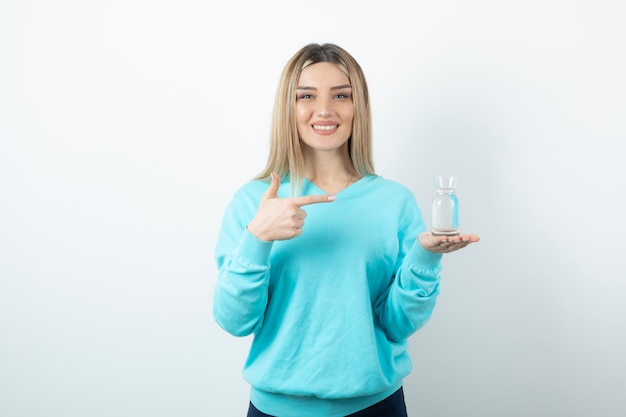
<point x="272" y="191"/>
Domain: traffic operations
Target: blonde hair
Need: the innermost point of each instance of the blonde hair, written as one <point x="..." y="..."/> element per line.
<point x="285" y="155"/>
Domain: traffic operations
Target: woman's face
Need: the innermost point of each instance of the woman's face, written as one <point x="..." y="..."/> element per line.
<point x="324" y="107"/>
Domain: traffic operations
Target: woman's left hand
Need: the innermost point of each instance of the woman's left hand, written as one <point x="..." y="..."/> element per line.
<point x="445" y="244"/>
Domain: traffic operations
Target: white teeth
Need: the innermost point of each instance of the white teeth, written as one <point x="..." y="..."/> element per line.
<point x="325" y="127"/>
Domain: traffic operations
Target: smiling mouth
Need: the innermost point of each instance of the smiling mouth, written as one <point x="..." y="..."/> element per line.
<point x="325" y="127"/>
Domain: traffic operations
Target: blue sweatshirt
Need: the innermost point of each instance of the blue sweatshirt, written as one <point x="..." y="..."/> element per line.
<point x="330" y="310"/>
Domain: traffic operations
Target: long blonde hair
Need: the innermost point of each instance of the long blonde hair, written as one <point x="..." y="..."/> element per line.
<point x="285" y="155"/>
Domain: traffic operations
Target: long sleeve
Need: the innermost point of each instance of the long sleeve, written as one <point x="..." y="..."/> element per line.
<point x="241" y="292"/>
<point x="409" y="301"/>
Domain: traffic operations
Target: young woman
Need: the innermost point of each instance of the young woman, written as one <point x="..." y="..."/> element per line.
<point x="329" y="265"/>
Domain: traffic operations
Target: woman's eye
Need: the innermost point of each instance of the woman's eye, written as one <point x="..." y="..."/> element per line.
<point x="305" y="96"/>
<point x="342" y="95"/>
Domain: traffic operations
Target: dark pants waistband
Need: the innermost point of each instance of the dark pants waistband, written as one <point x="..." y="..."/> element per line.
<point x="392" y="406"/>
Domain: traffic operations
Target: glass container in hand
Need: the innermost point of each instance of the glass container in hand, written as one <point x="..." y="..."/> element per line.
<point x="445" y="207"/>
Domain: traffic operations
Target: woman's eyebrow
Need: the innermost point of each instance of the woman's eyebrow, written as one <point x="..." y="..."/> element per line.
<point x="338" y="87"/>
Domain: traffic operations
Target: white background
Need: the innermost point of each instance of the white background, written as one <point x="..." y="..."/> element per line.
<point x="125" y="127"/>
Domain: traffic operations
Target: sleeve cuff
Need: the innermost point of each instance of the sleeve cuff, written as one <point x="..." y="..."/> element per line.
<point x="254" y="250"/>
<point x="426" y="259"/>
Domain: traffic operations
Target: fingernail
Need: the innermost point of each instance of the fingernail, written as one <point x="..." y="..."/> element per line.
<point x="331" y="198"/>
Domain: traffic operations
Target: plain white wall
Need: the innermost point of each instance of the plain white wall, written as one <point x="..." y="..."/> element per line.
<point x="125" y="127"/>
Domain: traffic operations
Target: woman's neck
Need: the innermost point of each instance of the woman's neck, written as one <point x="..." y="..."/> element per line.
<point x="331" y="172"/>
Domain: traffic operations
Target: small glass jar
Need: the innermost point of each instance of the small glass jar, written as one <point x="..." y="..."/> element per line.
<point x="445" y="207"/>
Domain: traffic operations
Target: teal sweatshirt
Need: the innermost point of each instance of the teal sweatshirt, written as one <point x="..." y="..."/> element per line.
<point x="332" y="309"/>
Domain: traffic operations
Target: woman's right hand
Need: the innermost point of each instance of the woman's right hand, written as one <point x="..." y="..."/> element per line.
<point x="282" y="218"/>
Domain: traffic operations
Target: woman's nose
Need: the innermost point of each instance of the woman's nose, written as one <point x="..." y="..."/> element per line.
<point x="325" y="108"/>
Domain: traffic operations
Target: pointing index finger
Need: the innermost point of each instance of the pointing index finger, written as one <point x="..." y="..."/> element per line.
<point x="313" y="199"/>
